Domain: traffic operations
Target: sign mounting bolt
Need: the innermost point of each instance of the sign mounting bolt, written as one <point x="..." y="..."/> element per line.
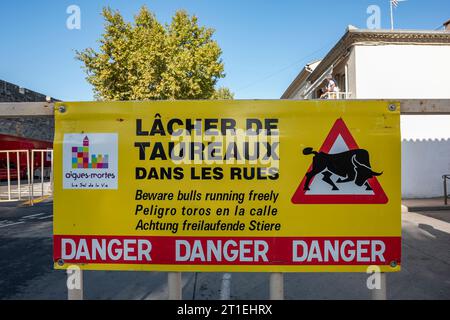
<point x="392" y="107"/>
<point x="62" y="109"/>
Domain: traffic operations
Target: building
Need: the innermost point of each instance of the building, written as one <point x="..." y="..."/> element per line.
<point x="23" y="133"/>
<point x="393" y="64"/>
<point x="372" y="64"/>
<point x="39" y="128"/>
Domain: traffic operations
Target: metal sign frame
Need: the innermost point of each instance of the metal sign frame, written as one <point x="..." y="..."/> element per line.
<point x="407" y="107"/>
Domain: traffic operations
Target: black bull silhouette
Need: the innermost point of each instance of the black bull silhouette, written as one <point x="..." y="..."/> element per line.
<point x="353" y="165"/>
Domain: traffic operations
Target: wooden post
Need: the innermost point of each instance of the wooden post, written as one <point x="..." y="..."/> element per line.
<point x="174" y="284"/>
<point x="380" y="294"/>
<point x="75" y="294"/>
<point x="408" y="106"/>
<point x="225" y="288"/>
<point x="276" y="286"/>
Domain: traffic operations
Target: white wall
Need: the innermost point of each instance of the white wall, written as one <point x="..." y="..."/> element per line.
<point x="351" y="74"/>
<point x="403" y="71"/>
<point x="423" y="164"/>
<point x="411" y="72"/>
<point x="425" y="127"/>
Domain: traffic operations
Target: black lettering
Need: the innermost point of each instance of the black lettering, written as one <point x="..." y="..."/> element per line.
<point x="141" y="173"/>
<point x="158" y="152"/>
<point x="139" y="131"/>
<point x="170" y="125"/>
<point x="271" y="124"/>
<point x="142" y="146"/>
<point x="157" y="128"/>
<point x="228" y="125"/>
<point x="254" y="126"/>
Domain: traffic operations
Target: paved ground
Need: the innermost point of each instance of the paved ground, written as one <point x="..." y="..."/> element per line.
<point x="435" y="204"/>
<point x="26" y="264"/>
<point x="37" y="189"/>
<point x="441" y="215"/>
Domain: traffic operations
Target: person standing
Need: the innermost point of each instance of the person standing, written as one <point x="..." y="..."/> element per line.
<point x="332" y="88"/>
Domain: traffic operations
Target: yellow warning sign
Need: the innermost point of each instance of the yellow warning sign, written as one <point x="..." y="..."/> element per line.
<point x="267" y="186"/>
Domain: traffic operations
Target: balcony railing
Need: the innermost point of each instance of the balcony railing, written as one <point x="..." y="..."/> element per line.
<point x="336" y="95"/>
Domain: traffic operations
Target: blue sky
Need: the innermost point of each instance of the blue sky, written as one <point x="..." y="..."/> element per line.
<point x="264" y="43"/>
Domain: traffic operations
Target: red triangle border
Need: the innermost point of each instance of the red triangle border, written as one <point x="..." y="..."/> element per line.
<point x="379" y="196"/>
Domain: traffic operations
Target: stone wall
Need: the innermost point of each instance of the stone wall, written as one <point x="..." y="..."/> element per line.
<point x="40" y="128"/>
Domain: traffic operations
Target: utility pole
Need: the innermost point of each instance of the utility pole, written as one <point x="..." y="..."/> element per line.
<point x="392" y="15"/>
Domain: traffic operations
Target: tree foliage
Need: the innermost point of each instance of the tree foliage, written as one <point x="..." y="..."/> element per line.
<point x="223" y="93"/>
<point x="145" y="60"/>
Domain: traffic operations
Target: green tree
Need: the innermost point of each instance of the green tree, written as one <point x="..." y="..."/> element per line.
<point x="223" y="93"/>
<point x="145" y="60"/>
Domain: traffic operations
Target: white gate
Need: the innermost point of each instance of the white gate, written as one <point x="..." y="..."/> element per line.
<point x="41" y="172"/>
<point x="22" y="178"/>
<point x="13" y="170"/>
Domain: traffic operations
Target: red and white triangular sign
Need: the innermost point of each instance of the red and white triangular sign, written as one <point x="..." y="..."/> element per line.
<point x="320" y="192"/>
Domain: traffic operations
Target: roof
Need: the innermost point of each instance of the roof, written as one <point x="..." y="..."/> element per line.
<point x="355" y="36"/>
<point x="306" y="71"/>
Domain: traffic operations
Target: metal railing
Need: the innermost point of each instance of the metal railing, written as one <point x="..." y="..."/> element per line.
<point x="18" y="173"/>
<point x="445" y="177"/>
<point x="336" y="95"/>
<point x="16" y="169"/>
<point x="43" y="170"/>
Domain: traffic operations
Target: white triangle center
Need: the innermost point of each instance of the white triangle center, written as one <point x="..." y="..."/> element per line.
<point x="320" y="187"/>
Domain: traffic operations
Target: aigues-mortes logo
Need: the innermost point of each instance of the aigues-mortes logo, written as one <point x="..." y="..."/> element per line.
<point x="90" y="161"/>
<point x="81" y="159"/>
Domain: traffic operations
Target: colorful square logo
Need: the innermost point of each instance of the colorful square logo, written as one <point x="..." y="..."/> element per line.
<point x="90" y="161"/>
